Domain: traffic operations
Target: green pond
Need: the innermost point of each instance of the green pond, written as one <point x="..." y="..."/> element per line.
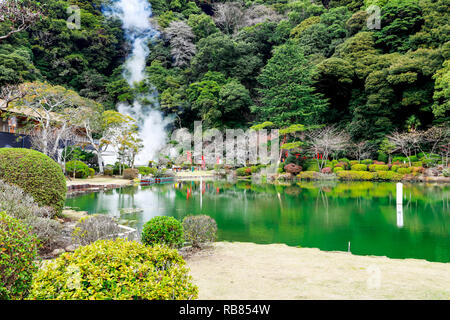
<point x="329" y="216"/>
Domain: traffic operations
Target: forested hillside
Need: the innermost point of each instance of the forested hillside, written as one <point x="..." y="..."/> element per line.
<point x="236" y="63"/>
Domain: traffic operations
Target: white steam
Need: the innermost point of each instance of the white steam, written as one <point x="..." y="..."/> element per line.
<point x="135" y="16"/>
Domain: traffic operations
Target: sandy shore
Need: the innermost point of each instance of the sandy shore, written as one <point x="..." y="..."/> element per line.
<point x="99" y="181"/>
<point x="251" y="271"/>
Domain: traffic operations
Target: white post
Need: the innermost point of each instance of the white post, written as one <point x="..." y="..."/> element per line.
<point x="399" y="193"/>
<point x="400" y="205"/>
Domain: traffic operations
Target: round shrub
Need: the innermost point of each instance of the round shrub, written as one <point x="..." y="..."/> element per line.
<point x="130" y="173"/>
<point x="389" y="176"/>
<point x="91" y="172"/>
<point x="367" y="161"/>
<point x="293" y="168"/>
<point x="78" y="169"/>
<point x="242" y="172"/>
<point x="18" y="250"/>
<point x="118" y="270"/>
<point x="359" y="167"/>
<point x="199" y="229"/>
<point x="446" y="173"/>
<point x="163" y="230"/>
<point x="308" y="175"/>
<point x="337" y="169"/>
<point x="36" y="174"/>
<point x="327" y="170"/>
<point x="404" y="170"/>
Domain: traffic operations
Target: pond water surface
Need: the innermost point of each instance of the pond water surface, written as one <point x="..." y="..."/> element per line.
<point x="327" y="216"/>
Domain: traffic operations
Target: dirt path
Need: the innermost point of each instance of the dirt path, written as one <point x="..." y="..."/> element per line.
<point x="250" y="271"/>
<point x="100" y="180"/>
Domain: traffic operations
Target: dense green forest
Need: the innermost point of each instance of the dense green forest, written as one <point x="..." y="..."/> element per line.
<point x="238" y="63"/>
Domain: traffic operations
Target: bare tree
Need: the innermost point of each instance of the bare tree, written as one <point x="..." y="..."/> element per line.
<point x="181" y="42"/>
<point x="258" y="14"/>
<point x="8" y="94"/>
<point x="360" y="150"/>
<point x="229" y="16"/>
<point x="20" y="14"/>
<point x="434" y="138"/>
<point x="325" y="142"/>
<point x="232" y="16"/>
<point x="408" y="142"/>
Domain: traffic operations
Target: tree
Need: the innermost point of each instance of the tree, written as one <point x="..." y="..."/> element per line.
<point x="408" y="143"/>
<point x="119" y="131"/>
<point x="324" y="142"/>
<point x="229" y="16"/>
<point x="202" y="25"/>
<point x="19" y="14"/>
<point x="53" y="108"/>
<point x="287" y="92"/>
<point x="181" y="42"/>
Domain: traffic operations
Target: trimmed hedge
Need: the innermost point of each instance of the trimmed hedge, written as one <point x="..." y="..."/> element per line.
<point x="118" y="270"/>
<point x="404" y="170"/>
<point x="18" y="251"/>
<point x="378" y="167"/>
<point x="36" y="174"/>
<point x="356" y="175"/>
<point x="308" y="175"/>
<point x="359" y="167"/>
<point x="163" y="230"/>
<point x="389" y="175"/>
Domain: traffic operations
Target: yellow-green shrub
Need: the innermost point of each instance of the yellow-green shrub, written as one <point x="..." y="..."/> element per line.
<point x="337" y="169"/>
<point x="356" y="175"/>
<point x="389" y="175"/>
<point x="378" y="167"/>
<point x="308" y="175"/>
<point x="359" y="167"/>
<point x="404" y="170"/>
<point x="118" y="270"/>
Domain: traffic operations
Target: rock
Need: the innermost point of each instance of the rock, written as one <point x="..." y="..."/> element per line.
<point x="71" y="248"/>
<point x="57" y="252"/>
<point x="131" y="210"/>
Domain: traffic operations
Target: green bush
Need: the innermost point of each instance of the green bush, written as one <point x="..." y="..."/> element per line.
<point x="163" y="230"/>
<point x="413" y="159"/>
<point x="91" y="172"/>
<point x="359" y="167"/>
<point x="378" y="167"/>
<point x="146" y="171"/>
<point x="367" y="161"/>
<point x="337" y="169"/>
<point x="383" y="157"/>
<point x="308" y="175"/>
<point x="404" y="170"/>
<point x="18" y="251"/>
<point x="199" y="229"/>
<point x="118" y="270"/>
<point x="242" y="172"/>
<point x="400" y="159"/>
<point x="312" y="166"/>
<point x="36" y="174"/>
<point x="417" y="164"/>
<point x="353" y="162"/>
<point x="389" y="175"/>
<point x="80" y="169"/>
<point x="356" y="175"/>
<point x="108" y="171"/>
